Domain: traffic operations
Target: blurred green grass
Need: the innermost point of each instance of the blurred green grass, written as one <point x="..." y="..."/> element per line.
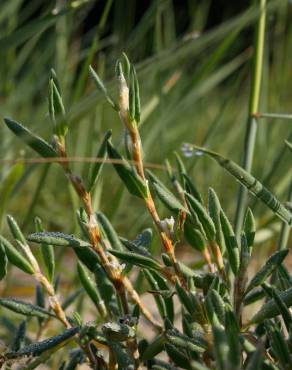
<point x="194" y="86"/>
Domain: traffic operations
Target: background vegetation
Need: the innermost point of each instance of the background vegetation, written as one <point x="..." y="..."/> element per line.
<point x="193" y="60"/>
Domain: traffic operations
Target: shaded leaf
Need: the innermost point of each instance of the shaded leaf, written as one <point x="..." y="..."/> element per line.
<point x="272" y="263"/>
<point x="38" y="348"/>
<point x="24" y="308"/>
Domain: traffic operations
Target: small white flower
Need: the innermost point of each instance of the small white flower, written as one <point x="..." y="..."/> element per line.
<point x="168" y="225"/>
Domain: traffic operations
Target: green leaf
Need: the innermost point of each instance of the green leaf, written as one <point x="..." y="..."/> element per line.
<point x="190" y="188"/>
<point x="283" y="309"/>
<point x="197" y="209"/>
<point x="230" y="242"/>
<point x="34" y="142"/>
<point x="109" y="231"/>
<point x="270" y="309"/>
<point x="178" y="356"/>
<point x="87" y="256"/>
<point x="57" y="239"/>
<point x="26" y="309"/>
<point x="100" y="86"/>
<point x="136" y="259"/>
<point x="3" y="261"/>
<point x="166" y="196"/>
<point x="252" y="184"/>
<point x="137" y="96"/>
<point x="278" y="344"/>
<point x="124" y="360"/>
<point x="91" y="289"/>
<point x="19" y="337"/>
<point x="183" y="341"/>
<point x="96" y="168"/>
<point x="184" y="298"/>
<point x="162" y="284"/>
<point x="194" y="237"/>
<point x="135" y="185"/>
<point x="15" y="257"/>
<point x="118" y="332"/>
<point x="249" y="228"/>
<point x="220" y="347"/>
<point x="36" y="349"/>
<point x="232" y="334"/>
<point x="15" y="230"/>
<point x="56" y="108"/>
<point x="47" y="252"/>
<point x="215" y="306"/>
<point x="214" y="208"/>
<point x="155" y="287"/>
<point x="272" y="263"/>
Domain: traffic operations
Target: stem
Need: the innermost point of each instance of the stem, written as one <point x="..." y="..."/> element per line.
<point x="251" y="129"/>
<point x="120" y="283"/>
<point x="137" y="157"/>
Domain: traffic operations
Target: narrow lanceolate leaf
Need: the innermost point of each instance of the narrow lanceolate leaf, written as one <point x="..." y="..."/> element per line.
<point x="96" y="168"/>
<point x="122" y="356"/>
<point x="272" y="263"/>
<point x="198" y="209"/>
<point x="91" y="289"/>
<point x="270" y="309"/>
<point x="252" y="184"/>
<point x="286" y="314"/>
<point x="166" y="196"/>
<point x="278" y="344"/>
<point x="26" y="309"/>
<point x="100" y="86"/>
<point x="230" y="242"/>
<point x="190" y="188"/>
<point x="168" y="297"/>
<point x="249" y="228"/>
<point x="232" y="331"/>
<point x="220" y="345"/>
<point x="57" y="238"/>
<point x="109" y="231"/>
<point x="215" y="305"/>
<point x="38" y="348"/>
<point x="16" y="258"/>
<point x="214" y="208"/>
<point x="137" y="97"/>
<point x="135" y="185"/>
<point x="154" y="287"/>
<point x="19" y="337"/>
<point x="136" y="259"/>
<point x="87" y="256"/>
<point x="182" y="341"/>
<point x="47" y="252"/>
<point x="56" y="108"/>
<point x="132" y="97"/>
<point x="3" y="261"/>
<point x="35" y="142"/>
<point x="155" y="347"/>
<point x="15" y="230"/>
<point x="194" y="237"/>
